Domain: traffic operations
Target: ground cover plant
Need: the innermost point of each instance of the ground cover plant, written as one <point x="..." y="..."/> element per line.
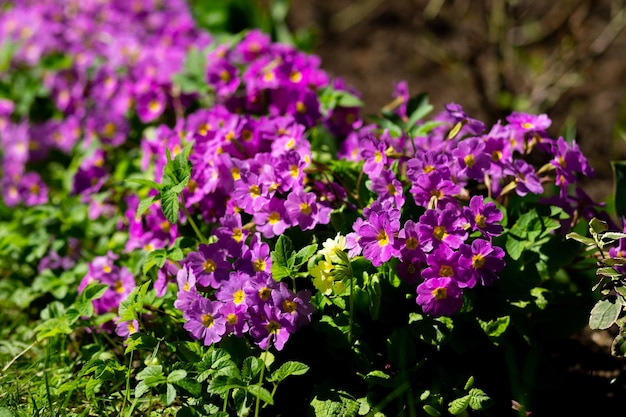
<point x="195" y="224"/>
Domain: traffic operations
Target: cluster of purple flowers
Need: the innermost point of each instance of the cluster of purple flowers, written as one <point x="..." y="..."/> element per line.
<point x="120" y="60"/>
<point x="227" y="288"/>
<point x="449" y="172"/>
<point x="120" y="282"/>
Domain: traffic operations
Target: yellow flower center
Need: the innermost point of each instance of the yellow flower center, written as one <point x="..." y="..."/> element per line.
<point x="209" y="265"/>
<point x="481" y="221"/>
<point x="469" y="160"/>
<point x="440" y="293"/>
<point x="272" y="327"/>
<point x="237" y="234"/>
<point x="207" y="320"/>
<point x="446" y="271"/>
<point x="439" y="232"/>
<point x="305" y="208"/>
<point x="295" y="76"/>
<point x="411" y="243"/>
<point x="238" y="296"/>
<point x="478" y="261"/>
<point x="289" y="306"/>
<point x="383" y="238"/>
<point x="259" y="265"/>
<point x="255" y="191"/>
<point x="300" y="107"/>
<point x="273" y="218"/>
<point x="232" y="319"/>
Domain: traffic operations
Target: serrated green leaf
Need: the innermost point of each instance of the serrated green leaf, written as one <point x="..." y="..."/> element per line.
<point x="287" y="369"/>
<point x="283" y="252"/>
<point x="304" y="255"/>
<point x="478" y="399"/>
<point x="262" y="393"/>
<point x="604" y="314"/>
<point x="335" y="404"/>
<point x="459" y="405"/>
<point x="140" y="341"/>
<point x="156" y="258"/>
<point x="170" y="205"/>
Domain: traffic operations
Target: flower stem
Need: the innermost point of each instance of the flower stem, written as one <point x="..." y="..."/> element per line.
<point x="190" y="220"/>
<point x="258" y="396"/>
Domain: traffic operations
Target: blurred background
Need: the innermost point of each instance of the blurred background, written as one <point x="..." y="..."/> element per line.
<point x="566" y="58"/>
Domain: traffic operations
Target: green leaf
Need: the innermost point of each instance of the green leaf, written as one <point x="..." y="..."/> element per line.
<point x="145" y="182"/>
<point x="146" y="203"/>
<point x="618" y="347"/>
<point x="335" y="404"/>
<point x="431" y="411"/>
<point x="580" y="238"/>
<point x="170" y="205"/>
<point x="287" y="369"/>
<point x="170" y="394"/>
<point x="221" y="385"/>
<point x="304" y="255"/>
<point x="478" y="399"/>
<point x="141" y="389"/>
<point x="604" y="314"/>
<point x="262" y="393"/>
<point x="459" y="405"/>
<point x="417" y="107"/>
<point x="619" y="190"/>
<point x="140" y="340"/>
<point x="176" y="375"/>
<point x="283" y="258"/>
<point x="156" y="258"/>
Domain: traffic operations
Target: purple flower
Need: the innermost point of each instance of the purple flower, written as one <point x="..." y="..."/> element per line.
<point x="434" y="189"/>
<point x="410" y="268"/>
<point x="442" y="263"/>
<point x="304" y="211"/>
<point x="569" y="161"/>
<point x="187" y="291"/>
<point x="481" y="261"/>
<point x="233" y="290"/>
<point x="205" y="321"/>
<point x="472" y="159"/>
<point x="272" y="219"/>
<point x="529" y="122"/>
<point x="483" y="216"/>
<point x="270" y="327"/>
<point x="222" y="76"/>
<point x="388" y="187"/>
<point x="126" y="328"/>
<point x="378" y="233"/>
<point x="439" y="296"/>
<point x="458" y="115"/>
<point x="373" y="153"/>
<point x="525" y="178"/>
<point x="209" y="265"/>
<point x="296" y="307"/>
<point x="437" y="227"/>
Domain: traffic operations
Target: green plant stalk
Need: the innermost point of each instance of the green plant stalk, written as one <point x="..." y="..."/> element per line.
<point x="258" y="397"/>
<point x="127" y="394"/>
<point x="45" y="376"/>
<point x="351" y="316"/>
<point x="190" y="220"/>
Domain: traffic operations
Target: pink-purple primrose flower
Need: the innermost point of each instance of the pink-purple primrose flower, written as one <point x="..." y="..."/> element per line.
<point x="430" y="213"/>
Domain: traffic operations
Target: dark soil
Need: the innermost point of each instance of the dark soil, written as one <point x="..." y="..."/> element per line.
<point x="565" y="58"/>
